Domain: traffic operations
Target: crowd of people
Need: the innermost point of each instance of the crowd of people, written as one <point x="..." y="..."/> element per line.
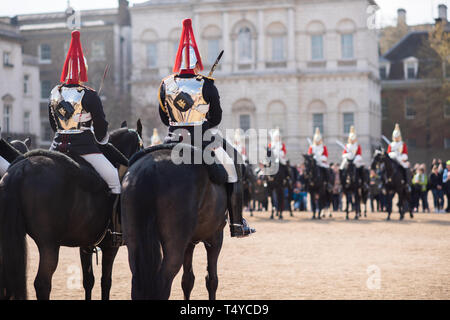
<point x="436" y="182"/>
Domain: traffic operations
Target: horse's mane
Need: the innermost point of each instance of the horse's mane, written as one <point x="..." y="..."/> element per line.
<point x="165" y="146"/>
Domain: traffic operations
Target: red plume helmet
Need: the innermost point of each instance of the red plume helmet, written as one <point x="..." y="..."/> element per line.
<point x="74" y="69"/>
<point x="187" y="40"/>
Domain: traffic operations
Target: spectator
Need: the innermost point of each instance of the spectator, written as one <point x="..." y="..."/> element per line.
<point x="374" y="189"/>
<point x="446" y="183"/>
<point x="420" y="181"/>
<point x="337" y="189"/>
<point x="436" y="186"/>
<point x="299" y="195"/>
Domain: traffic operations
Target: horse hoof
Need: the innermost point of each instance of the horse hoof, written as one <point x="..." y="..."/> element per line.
<point x="313" y="217"/>
<point x="271" y="217"/>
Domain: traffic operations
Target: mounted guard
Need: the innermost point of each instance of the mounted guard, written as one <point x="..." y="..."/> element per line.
<point x="76" y="115"/>
<point x="190" y="101"/>
<point x="353" y="152"/>
<point x="278" y="147"/>
<point x="398" y="151"/>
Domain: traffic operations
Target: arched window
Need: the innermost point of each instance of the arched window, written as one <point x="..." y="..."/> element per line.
<point x="211" y="37"/>
<point x="316" y="31"/>
<point x="277" y="44"/>
<point x="347" y="29"/>
<point x="245" y="45"/>
<point x="150" y="41"/>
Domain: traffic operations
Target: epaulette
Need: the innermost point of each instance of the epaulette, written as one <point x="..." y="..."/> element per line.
<point x="209" y="78"/>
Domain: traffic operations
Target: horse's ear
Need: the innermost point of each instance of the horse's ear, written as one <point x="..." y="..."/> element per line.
<point x="139" y="127"/>
<point x="124" y="125"/>
<point x="27" y="142"/>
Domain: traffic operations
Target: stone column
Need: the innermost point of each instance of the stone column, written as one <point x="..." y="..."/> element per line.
<point x="260" y="54"/>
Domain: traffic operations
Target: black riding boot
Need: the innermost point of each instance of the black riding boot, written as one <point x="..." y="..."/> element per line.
<point x="238" y="226"/>
<point x="116" y="225"/>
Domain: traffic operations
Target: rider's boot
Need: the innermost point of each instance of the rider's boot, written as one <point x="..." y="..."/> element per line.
<point x="116" y="225"/>
<point x="238" y="226"/>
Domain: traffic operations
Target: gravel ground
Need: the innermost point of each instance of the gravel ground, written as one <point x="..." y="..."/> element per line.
<point x="300" y="258"/>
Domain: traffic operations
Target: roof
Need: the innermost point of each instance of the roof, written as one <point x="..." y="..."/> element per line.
<point x="414" y="44"/>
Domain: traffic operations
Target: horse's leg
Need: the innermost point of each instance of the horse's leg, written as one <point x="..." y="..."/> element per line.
<point x="389" y="205"/>
<point x="48" y="261"/>
<point x="88" y="273"/>
<point x="213" y="248"/>
<point x="187" y="281"/>
<point x="280" y="195"/>
<point x="173" y="254"/>
<point x="347" y="202"/>
<point x="108" y="255"/>
<point x="357" y="205"/>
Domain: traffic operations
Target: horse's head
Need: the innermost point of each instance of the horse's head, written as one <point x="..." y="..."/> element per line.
<point x="128" y="141"/>
<point x="378" y="157"/>
<point x="22" y="146"/>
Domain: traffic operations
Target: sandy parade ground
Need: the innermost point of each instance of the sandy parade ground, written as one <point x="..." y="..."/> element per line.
<point x="300" y="258"/>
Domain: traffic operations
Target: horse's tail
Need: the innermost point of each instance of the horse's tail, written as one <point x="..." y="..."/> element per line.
<point x="13" y="249"/>
<point x="144" y="245"/>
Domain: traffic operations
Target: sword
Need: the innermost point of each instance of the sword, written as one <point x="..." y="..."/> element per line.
<point x="215" y="64"/>
<point x="385" y="139"/>
<point x="103" y="79"/>
<point x="341" y="145"/>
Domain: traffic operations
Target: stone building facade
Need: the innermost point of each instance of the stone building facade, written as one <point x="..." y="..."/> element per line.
<point x="105" y="37"/>
<point x="290" y="64"/>
<point x="19" y="87"/>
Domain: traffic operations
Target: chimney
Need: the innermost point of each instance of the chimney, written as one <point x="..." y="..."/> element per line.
<point x="401" y="17"/>
<point x="442" y="9"/>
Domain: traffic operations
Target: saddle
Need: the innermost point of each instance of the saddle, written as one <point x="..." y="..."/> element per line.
<point x="216" y="172"/>
<point x="76" y="167"/>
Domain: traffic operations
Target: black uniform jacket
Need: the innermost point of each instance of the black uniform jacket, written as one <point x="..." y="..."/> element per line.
<point x="83" y="143"/>
<point x="211" y="96"/>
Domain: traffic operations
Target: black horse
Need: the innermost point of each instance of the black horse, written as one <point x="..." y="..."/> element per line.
<point x="317" y="185"/>
<point x="57" y="202"/>
<point x="167" y="209"/>
<point x="276" y="184"/>
<point x="394" y="182"/>
<point x="352" y="186"/>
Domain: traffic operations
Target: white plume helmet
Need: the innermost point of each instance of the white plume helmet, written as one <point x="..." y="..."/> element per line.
<point x="352" y="134"/>
<point x="317" y="136"/>
<point x="396" y="133"/>
<point x="275" y="134"/>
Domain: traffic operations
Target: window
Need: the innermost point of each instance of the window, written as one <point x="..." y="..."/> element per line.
<point x="7" y="59"/>
<point x="347" y="46"/>
<point x="278" y="48"/>
<point x="383" y="73"/>
<point x="317" y="47"/>
<point x="245" y="45"/>
<point x="410" y="110"/>
<point x="384" y="108"/>
<point x="244" y="122"/>
<point x="348" y="121"/>
<point x="447" y="143"/>
<point x="7" y="109"/>
<point x="411" y="143"/>
<point x="318" y="122"/>
<point x="27" y="122"/>
<point x="26" y="84"/>
<point x="46" y="87"/>
<point x="98" y="50"/>
<point x="45" y="53"/>
<point x="213" y="50"/>
<point x="152" y="55"/>
<point x="447" y="109"/>
<point x="410" y="71"/>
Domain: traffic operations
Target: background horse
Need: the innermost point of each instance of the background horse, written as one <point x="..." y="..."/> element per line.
<point x="128" y="141"/>
<point x="393" y="182"/>
<point x="57" y="202"/>
<point x="248" y="184"/>
<point x="316" y="183"/>
<point x="166" y="210"/>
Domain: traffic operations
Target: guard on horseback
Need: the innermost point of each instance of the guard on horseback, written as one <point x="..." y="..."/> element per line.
<point x="320" y="153"/>
<point x="190" y="101"/>
<point x="76" y="115"/>
<point x="4" y="164"/>
<point x="398" y="151"/>
<point x="277" y="147"/>
<point x="353" y="153"/>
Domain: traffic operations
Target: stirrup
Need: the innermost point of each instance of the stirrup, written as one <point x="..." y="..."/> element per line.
<point x="116" y="238"/>
<point x="241" y="230"/>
